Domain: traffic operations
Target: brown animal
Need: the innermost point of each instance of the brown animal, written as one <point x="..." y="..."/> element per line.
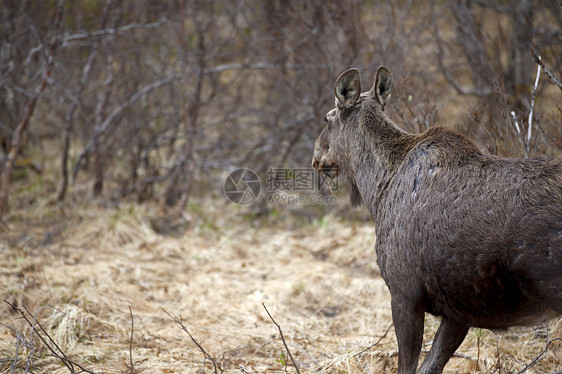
<point x="473" y="238"/>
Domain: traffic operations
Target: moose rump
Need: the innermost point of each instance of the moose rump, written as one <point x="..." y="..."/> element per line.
<point x="482" y="236"/>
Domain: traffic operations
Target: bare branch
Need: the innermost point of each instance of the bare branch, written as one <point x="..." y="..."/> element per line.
<point x="98" y="118"/>
<point x="56" y="352"/>
<point x="376" y="343"/>
<point x="32" y="53"/>
<point x="447" y="74"/>
<point x="533" y="97"/>
<point x="540" y="356"/>
<point x="260" y="66"/>
<point x="108" y="122"/>
<point x="283" y="339"/>
<point x="496" y="6"/>
<point x="538" y="60"/>
<point x="70" y="115"/>
<point x="20" y="341"/>
<point x="216" y="364"/>
<point x="112" y="31"/>
<point x="132" y="368"/>
<point x="5" y="177"/>
<point x="520" y="136"/>
<point x="245" y="370"/>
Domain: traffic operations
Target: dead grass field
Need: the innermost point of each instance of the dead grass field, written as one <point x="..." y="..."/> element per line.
<point x="78" y="270"/>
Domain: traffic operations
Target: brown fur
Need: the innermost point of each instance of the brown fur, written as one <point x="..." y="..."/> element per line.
<point x="473" y="238"/>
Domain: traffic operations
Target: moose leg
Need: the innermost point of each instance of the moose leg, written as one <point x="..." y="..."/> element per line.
<point x="408" y="324"/>
<point x="447" y="339"/>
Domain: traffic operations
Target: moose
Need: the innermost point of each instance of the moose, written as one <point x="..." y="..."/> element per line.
<point x="472" y="238"/>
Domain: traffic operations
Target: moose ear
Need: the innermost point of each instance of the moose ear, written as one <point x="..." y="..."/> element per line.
<point x="348" y="88"/>
<point x="383" y="85"/>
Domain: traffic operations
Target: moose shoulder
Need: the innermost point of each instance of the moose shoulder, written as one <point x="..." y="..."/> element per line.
<point x="473" y="238"/>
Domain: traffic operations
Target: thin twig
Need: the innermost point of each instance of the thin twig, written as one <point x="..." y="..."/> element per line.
<point x="498" y="363"/>
<point x="178" y="320"/>
<point x="520" y="136"/>
<point x="283" y="339"/>
<point x="70" y="115"/>
<point x="113" y="31"/>
<point x="461" y="355"/>
<point x="245" y="370"/>
<point x="68" y="363"/>
<point x="49" y="337"/>
<point x="533" y="97"/>
<point x="458" y="355"/>
<point x="538" y="60"/>
<point x="540" y="356"/>
<point x="32" y="325"/>
<point x="19" y="340"/>
<point x="131" y="341"/>
<point x="376" y="343"/>
<point x="447" y="74"/>
<point x="110" y="119"/>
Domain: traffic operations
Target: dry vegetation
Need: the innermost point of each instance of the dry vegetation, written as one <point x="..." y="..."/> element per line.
<point x="114" y="200"/>
<point x="79" y="276"/>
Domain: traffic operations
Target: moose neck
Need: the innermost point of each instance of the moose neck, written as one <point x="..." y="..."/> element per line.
<point x="381" y="148"/>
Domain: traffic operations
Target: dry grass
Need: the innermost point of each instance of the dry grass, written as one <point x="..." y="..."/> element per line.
<point x="79" y="274"/>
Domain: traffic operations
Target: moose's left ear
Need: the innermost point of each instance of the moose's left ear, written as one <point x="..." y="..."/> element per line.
<point x="383" y="85"/>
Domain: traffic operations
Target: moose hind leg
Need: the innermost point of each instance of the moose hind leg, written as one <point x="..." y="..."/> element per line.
<point x="448" y="338"/>
<point x="408" y="324"/>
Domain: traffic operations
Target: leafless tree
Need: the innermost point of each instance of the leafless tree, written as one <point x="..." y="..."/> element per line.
<point x="151" y="100"/>
<point x="50" y="48"/>
<point x="492" y="48"/>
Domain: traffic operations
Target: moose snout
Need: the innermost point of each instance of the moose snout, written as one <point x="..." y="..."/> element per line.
<point x="322" y="166"/>
<point x="315" y="163"/>
<point x="319" y="164"/>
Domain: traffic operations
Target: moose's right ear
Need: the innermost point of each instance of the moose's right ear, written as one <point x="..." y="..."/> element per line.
<point x="383" y="85"/>
<point x="348" y="88"/>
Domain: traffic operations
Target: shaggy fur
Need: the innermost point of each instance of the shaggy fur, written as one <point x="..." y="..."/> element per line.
<point x="473" y="238"/>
